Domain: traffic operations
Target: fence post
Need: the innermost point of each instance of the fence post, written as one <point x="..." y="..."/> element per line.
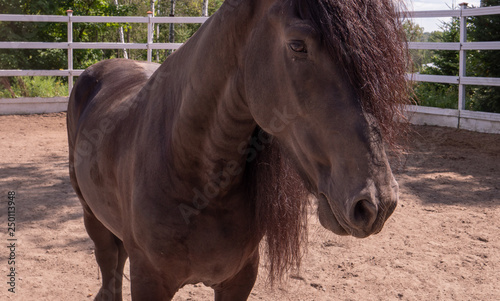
<point x="462" y="61"/>
<point x="70" y="51"/>
<point x="150" y="35"/>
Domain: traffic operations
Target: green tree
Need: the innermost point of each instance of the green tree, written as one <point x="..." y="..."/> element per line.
<point x="98" y="32"/>
<point x="479" y="64"/>
<point x="415" y="33"/>
<point x="445" y="62"/>
<point x="28" y="31"/>
<point x="442" y="62"/>
<point x="56" y="32"/>
<point x="180" y="33"/>
<point x="485" y="63"/>
<point x="50" y="59"/>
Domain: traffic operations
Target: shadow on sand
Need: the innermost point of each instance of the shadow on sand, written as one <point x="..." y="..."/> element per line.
<point x="451" y="167"/>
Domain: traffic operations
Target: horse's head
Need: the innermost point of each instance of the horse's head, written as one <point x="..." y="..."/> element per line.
<point x="305" y="93"/>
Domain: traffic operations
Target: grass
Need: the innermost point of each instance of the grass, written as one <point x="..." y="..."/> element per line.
<point x="436" y="95"/>
<point x="33" y="86"/>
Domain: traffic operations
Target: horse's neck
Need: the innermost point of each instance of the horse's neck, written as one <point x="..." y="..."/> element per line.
<point x="212" y="126"/>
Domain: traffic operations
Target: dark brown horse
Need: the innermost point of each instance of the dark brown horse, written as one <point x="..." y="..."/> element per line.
<point x="185" y="167"/>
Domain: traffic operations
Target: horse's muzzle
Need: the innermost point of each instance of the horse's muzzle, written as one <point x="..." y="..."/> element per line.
<point x="363" y="216"/>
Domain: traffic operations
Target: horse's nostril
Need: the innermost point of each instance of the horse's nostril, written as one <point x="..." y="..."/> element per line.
<point x="365" y="213"/>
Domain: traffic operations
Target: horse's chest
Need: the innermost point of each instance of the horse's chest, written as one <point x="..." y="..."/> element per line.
<point x="213" y="247"/>
<point x="220" y="247"/>
<point x="220" y="258"/>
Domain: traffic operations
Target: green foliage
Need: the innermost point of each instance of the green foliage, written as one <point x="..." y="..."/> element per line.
<point x="437" y="63"/>
<point x="33" y="86"/>
<point x="415" y="33"/>
<point x="479" y="64"/>
<point x="48" y="59"/>
<point x="420" y="58"/>
<point x="30" y="31"/>
<point x="182" y="32"/>
<point x="445" y="62"/>
<point x="485" y="63"/>
<point x="436" y="95"/>
<point x="53" y="59"/>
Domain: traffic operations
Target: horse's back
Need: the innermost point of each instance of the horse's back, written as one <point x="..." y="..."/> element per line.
<point x="101" y="86"/>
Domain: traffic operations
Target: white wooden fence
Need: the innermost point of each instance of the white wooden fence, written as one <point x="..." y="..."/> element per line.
<point x="34" y="105"/>
<point x="461" y="118"/>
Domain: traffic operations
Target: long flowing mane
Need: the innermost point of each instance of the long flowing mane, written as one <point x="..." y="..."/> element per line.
<point x="366" y="38"/>
<point x="281" y="207"/>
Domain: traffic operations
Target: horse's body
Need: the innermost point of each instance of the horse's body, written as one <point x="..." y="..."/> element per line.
<point x="176" y="165"/>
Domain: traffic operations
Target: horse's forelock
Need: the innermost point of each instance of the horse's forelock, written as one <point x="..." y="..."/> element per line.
<point x="366" y="36"/>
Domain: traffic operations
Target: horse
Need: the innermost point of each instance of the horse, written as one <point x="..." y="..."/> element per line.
<point x="184" y="167"/>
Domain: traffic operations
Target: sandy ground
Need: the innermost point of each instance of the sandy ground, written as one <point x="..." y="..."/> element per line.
<point x="442" y="243"/>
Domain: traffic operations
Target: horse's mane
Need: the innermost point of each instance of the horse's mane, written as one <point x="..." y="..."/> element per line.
<point x="280" y="205"/>
<point x="366" y="37"/>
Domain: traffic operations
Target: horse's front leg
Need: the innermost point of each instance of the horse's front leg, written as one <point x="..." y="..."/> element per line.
<point x="110" y="255"/>
<point x="149" y="281"/>
<point x="239" y="287"/>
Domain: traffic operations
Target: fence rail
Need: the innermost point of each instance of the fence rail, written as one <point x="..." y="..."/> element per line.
<point x="460" y="46"/>
<point x="99" y="19"/>
<point x="149" y="46"/>
<point x="461" y="118"/>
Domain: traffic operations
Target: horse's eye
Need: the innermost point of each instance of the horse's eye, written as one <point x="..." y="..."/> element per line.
<point x="298" y="46"/>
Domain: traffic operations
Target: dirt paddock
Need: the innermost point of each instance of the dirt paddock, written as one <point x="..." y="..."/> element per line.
<point x="442" y="243"/>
